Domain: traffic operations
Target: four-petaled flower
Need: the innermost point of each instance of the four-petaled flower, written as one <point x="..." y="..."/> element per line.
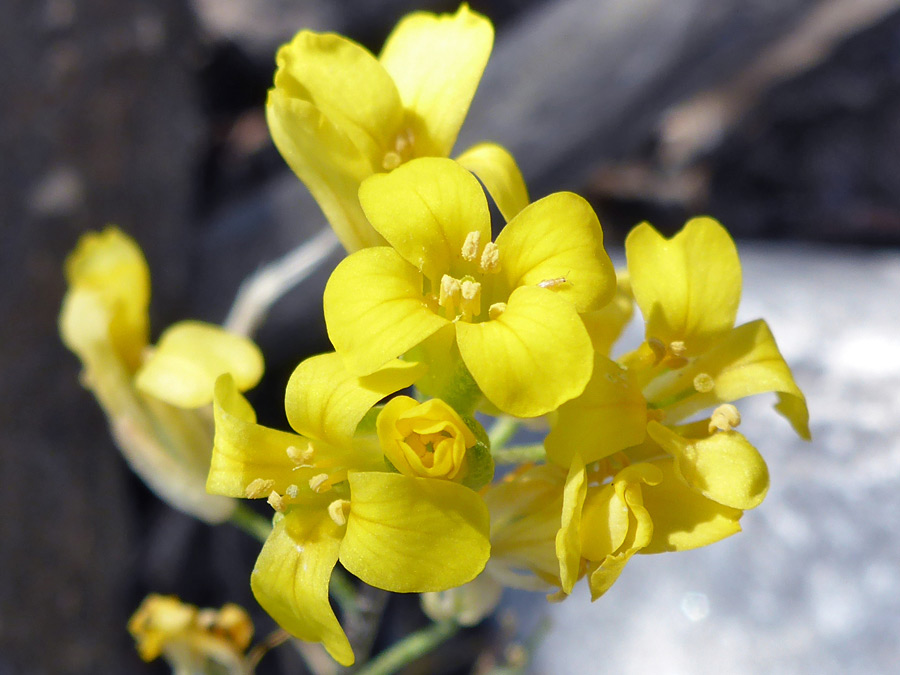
<point x="337" y="499"/>
<point x="338" y="114"/>
<point x="511" y="306"/>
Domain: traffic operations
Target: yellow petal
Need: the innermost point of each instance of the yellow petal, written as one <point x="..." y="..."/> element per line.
<point x="744" y="362"/>
<point x="347" y="84"/>
<point x="498" y="171"/>
<point x="603" y="574"/>
<point x="558" y="240"/>
<point x="291" y="577"/>
<point x="244" y="451"/>
<point x="616" y="525"/>
<point x="533" y="357"/>
<point x="723" y="467"/>
<point x="604" y="523"/>
<point x="688" y="287"/>
<point x="609" y="416"/>
<point x="606" y="324"/>
<point x="190" y="355"/>
<point x="568" y="539"/>
<point x="525" y="520"/>
<point x="374" y="309"/>
<point x="426" y="209"/>
<point x="682" y="517"/>
<point x="413" y="535"/>
<point x="110" y="264"/>
<point x="437" y="62"/>
<point x="325" y="401"/>
<point x="328" y="163"/>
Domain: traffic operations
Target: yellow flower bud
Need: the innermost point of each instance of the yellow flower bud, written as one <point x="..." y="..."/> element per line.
<point x="428" y="440"/>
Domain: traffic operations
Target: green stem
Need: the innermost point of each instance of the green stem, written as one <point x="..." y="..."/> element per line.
<point x="503" y="431"/>
<point x="520" y="454"/>
<point x="409" y="649"/>
<point x="251" y="522"/>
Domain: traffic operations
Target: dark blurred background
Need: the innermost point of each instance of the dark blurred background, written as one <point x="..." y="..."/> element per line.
<point x="779" y="117"/>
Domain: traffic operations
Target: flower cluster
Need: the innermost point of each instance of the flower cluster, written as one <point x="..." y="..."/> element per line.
<point x="437" y="326"/>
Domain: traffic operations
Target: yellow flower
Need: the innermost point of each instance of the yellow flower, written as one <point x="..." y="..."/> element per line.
<point x="510" y="307"/>
<point x="338" y="114"/>
<point x="192" y="640"/>
<point x="148" y="394"/>
<point x="427" y="439"/>
<point x="526" y="510"/>
<point x="693" y="498"/>
<point x="688" y="289"/>
<point x="336" y="500"/>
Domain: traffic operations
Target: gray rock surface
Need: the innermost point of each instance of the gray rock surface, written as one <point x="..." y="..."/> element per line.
<point x="812" y="584"/>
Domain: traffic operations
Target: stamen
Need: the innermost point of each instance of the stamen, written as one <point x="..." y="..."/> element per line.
<point x="495" y="310"/>
<point x="724" y="418"/>
<point x="471" y="299"/>
<point x="300" y="457"/>
<point x="471" y="245"/>
<point x="704" y="383"/>
<point x="292" y="491"/>
<point x="391" y="160"/>
<point x="450" y="292"/>
<point x="258" y="487"/>
<point x="319" y="483"/>
<point x="276" y="501"/>
<point x="490" y="258"/>
<point x="338" y="510"/>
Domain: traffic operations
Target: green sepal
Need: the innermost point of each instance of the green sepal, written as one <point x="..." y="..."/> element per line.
<point x="447" y="377"/>
<point x="478" y="457"/>
<point x="366" y="426"/>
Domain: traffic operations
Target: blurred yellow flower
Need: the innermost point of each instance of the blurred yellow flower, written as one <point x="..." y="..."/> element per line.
<point x="338" y="114"/>
<point x="511" y="307"/>
<point x="148" y="394"/>
<point x="336" y="499"/>
<point x="192" y="640"/>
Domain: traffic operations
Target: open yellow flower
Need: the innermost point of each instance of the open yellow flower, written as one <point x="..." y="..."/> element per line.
<point x="192" y="640"/>
<point x="337" y="500"/>
<point x="338" y="114"/>
<point x="688" y="289"/>
<point x="150" y="395"/>
<point x="510" y="307"/>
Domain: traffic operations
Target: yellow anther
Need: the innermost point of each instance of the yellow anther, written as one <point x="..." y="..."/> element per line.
<point x="276" y="501"/>
<point x="471" y="245"/>
<point x="490" y="258"/>
<point x="450" y="293"/>
<point x="471" y="299"/>
<point x="292" y="491"/>
<point x="319" y="483"/>
<point x="257" y="488"/>
<point x="676" y="348"/>
<point x="704" y="383"/>
<point x="724" y="418"/>
<point x="338" y="510"/>
<point x="391" y="160"/>
<point x="300" y="457"/>
<point x="495" y="310"/>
